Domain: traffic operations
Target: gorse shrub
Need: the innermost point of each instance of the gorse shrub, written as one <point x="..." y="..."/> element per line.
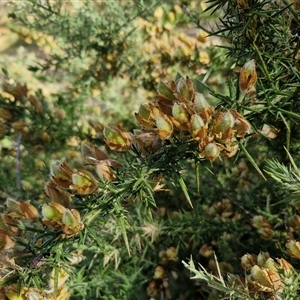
<point x="203" y="171"/>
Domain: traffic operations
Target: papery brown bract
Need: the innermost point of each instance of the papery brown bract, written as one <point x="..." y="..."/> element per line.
<point x="17" y="90"/>
<point x="11" y="221"/>
<point x="6" y="241"/>
<point x="28" y="211"/>
<point x="57" y="194"/>
<point x="241" y="125"/>
<point x="92" y="153"/>
<point x="147" y="141"/>
<point x="22" y="210"/>
<point x="61" y="174"/>
<point x="294" y="222"/>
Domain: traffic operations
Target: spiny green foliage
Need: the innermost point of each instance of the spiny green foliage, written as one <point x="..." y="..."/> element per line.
<point x="136" y="232"/>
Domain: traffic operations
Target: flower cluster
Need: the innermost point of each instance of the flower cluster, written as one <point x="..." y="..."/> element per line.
<point x="180" y="110"/>
<point x="18" y="211"/>
<point x="263" y="227"/>
<point x="264" y="274"/>
<point x="13" y="291"/>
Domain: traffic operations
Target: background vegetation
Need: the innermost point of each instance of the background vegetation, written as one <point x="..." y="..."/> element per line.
<point x="135" y="211"/>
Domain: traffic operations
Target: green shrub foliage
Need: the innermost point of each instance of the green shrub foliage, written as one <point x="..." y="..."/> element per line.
<point x="122" y="178"/>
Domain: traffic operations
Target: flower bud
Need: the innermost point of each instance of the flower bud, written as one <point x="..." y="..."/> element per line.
<point x="159" y="272"/>
<point x="12" y="205"/>
<point x="20" y="126"/>
<point x="293" y="249"/>
<point x="15" y="89"/>
<point x="248" y="77"/>
<point x="144" y="116"/>
<point x="53" y="211"/>
<point x="185" y="88"/>
<point x="35" y="294"/>
<point x="14" y="292"/>
<point x="294" y="222"/>
<point x="260" y="222"/>
<point x="69" y="219"/>
<point x="92" y="154"/>
<point x="201" y="103"/>
<point x="262" y="258"/>
<point x="211" y="151"/>
<point x="116" y="138"/>
<point x="223" y="121"/>
<point x="164" y="127"/>
<point x="71" y="222"/>
<point x="197" y="127"/>
<point x="83" y="182"/>
<point x="271" y="265"/>
<point x="265" y="233"/>
<point x="75" y="257"/>
<point x="165" y="91"/>
<point x="36" y="103"/>
<point x="248" y="261"/>
<point x="206" y="250"/>
<point x="180" y="114"/>
<point x="171" y="253"/>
